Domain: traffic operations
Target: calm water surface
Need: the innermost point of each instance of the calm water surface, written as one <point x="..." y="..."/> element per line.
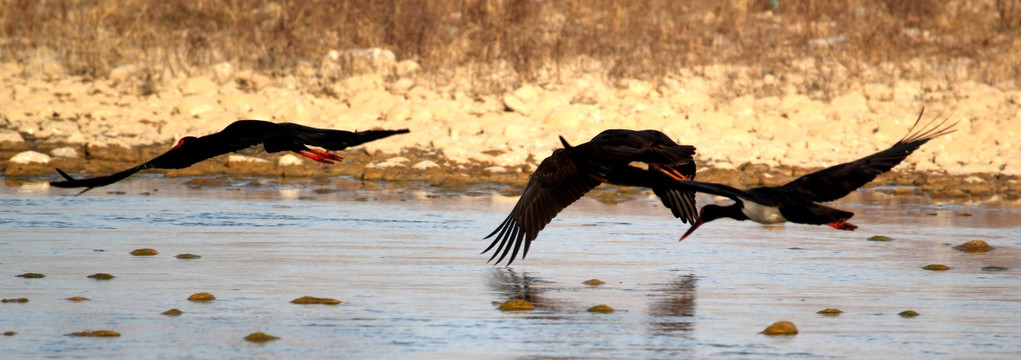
<point x="406" y="265"/>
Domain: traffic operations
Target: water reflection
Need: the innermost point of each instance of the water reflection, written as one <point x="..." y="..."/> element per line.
<point x="511" y="285"/>
<point x="672" y="308"/>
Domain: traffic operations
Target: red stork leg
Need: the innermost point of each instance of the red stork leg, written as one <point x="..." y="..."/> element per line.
<point x="321" y="156"/>
<point x="842" y="224"/>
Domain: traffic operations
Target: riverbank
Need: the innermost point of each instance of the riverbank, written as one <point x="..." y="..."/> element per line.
<point x="100" y="126"/>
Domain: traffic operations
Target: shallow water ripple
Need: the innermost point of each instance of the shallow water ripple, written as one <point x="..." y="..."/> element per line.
<point x="406" y="266"/>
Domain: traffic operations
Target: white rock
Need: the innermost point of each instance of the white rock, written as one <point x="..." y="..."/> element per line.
<point x="385" y="164"/>
<point x="234" y="158"/>
<point x="289" y="160"/>
<point x="28" y="157"/>
<point x="496" y="169"/>
<point x="11" y="136"/>
<point x="424" y="165"/>
<point x="973" y="179"/>
<point x="65" y="152"/>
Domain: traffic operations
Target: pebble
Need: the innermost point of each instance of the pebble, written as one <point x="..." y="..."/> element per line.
<point x="781" y="328"/>
<point x="974" y="246"/>
<point x="31" y="276"/>
<point x="907" y="314"/>
<point x="601" y="308"/>
<point x="96" y="333"/>
<point x="880" y="238"/>
<point x="593" y="282"/>
<point x="830" y="312"/>
<point x="936" y="267"/>
<point x="172" y="312"/>
<point x="202" y="296"/>
<point x="144" y="252"/>
<point x="517" y="305"/>
<point x="314" y="300"/>
<point x="260" y="337"/>
<point x="100" y="276"/>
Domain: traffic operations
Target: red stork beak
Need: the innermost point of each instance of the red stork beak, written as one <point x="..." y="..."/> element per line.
<point x="692" y="229"/>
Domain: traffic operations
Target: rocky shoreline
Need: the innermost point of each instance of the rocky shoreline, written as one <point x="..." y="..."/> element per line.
<point x="456" y="138"/>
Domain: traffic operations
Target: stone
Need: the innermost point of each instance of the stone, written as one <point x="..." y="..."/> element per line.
<point x="30" y="157"/>
<point x="425" y="165"/>
<point x="241" y="159"/>
<point x="289" y="160"/>
<point x="781" y="328"/>
<point x="517" y="305"/>
<point x="64" y="152"/>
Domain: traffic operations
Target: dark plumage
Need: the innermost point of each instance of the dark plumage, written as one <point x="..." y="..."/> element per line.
<point x="797" y="200"/>
<point x="646" y="158"/>
<point x="240" y="135"/>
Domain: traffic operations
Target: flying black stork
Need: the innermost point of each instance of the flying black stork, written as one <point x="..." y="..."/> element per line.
<point x="241" y="135"/>
<point x="797" y="201"/>
<point x="646" y="158"/>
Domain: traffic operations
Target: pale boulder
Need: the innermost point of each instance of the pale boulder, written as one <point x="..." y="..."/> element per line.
<point x="29" y="157"/>
<point x="425" y="165"/>
<point x="289" y="160"/>
<point x="243" y="159"/>
<point x="65" y="152"/>
<point x="11" y="137"/>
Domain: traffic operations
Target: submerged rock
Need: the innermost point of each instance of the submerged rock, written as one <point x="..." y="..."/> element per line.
<point x="187" y="256"/>
<point x="96" y="333"/>
<point x="994" y="268"/>
<point x="77" y="298"/>
<point x="974" y="246"/>
<point x="601" y="308"/>
<point x="781" y="328"/>
<point x="880" y="238"/>
<point x="9" y="333"/>
<point x="31" y="276"/>
<point x="15" y="300"/>
<point x="907" y="314"/>
<point x="936" y="267"/>
<point x="100" y="276"/>
<point x="260" y="337"/>
<point x="830" y="312"/>
<point x="593" y="282"/>
<point x="314" y="300"/>
<point x="172" y="312"/>
<point x="517" y="305"/>
<point x="202" y="296"/>
<point x="144" y="252"/>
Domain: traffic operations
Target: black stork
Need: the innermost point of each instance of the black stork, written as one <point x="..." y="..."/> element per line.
<point x="646" y="158"/>
<point x="241" y="135"/>
<point x="797" y="201"/>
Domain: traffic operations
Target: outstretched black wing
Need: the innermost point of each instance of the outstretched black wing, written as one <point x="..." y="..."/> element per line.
<point x="239" y="135"/>
<point x="331" y="139"/>
<point x="189" y="150"/>
<point x="837" y="181"/>
<point x="556" y="183"/>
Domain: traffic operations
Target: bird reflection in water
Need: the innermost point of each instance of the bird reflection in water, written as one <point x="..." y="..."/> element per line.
<point x="510" y="285"/>
<point x="672" y="307"/>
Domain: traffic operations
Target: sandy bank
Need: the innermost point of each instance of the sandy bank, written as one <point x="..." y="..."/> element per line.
<point x="99" y="126"/>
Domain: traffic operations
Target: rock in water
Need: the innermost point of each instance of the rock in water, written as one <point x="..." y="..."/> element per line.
<point x="781" y="328"/>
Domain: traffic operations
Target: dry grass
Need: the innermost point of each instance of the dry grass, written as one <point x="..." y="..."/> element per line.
<point x="866" y="40"/>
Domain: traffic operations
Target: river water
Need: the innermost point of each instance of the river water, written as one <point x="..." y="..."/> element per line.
<point x="404" y="261"/>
